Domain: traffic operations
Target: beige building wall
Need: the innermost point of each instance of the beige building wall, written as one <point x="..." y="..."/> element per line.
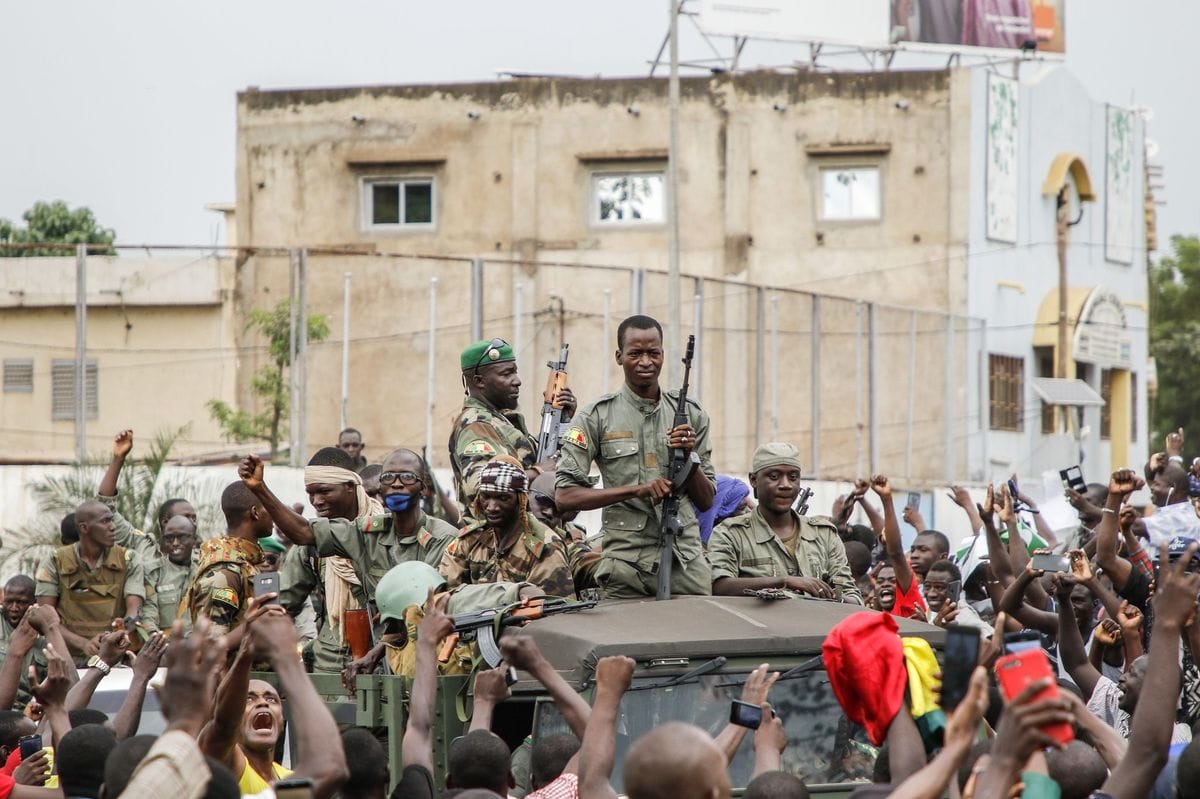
<point x="160" y="330"/>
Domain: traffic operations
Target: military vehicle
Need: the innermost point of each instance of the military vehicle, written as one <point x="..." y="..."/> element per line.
<point x="693" y="654"/>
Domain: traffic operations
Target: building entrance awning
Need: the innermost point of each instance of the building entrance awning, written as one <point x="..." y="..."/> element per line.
<point x="1066" y="392"/>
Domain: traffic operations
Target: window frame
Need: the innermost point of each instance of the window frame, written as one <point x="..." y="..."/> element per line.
<point x="91" y="381"/>
<point x="367" y="202"/>
<point x="593" y="204"/>
<point x="12" y="387"/>
<point x="848" y="166"/>
<point x="1006" y="414"/>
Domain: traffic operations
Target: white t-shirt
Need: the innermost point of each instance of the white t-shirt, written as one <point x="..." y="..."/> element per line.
<point x="1104" y="705"/>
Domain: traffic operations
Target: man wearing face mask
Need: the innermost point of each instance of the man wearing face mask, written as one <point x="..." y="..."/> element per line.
<point x="370" y="544"/>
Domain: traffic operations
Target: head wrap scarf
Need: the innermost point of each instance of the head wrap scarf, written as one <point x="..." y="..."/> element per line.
<point x="504" y="474"/>
<point x="340" y="577"/>
<point x="730" y="494"/>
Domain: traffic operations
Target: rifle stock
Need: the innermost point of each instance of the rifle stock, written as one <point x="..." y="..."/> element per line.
<point x="679" y="470"/>
<point x="550" y="435"/>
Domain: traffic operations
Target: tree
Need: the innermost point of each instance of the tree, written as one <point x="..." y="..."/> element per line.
<point x="269" y="384"/>
<point x="57" y="224"/>
<point x="1175" y="336"/>
<point x="142" y="487"/>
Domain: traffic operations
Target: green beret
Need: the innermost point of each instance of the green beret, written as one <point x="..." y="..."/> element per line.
<point x="272" y="544"/>
<point x="482" y="353"/>
<point x="777" y="453"/>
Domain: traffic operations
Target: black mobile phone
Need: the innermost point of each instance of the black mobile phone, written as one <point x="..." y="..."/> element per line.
<point x="914" y="500"/>
<point x="1012" y="489"/>
<point x="1024" y="641"/>
<point x="30" y="745"/>
<point x="745" y="714"/>
<point x="267" y="583"/>
<point x="1072" y="478"/>
<point x="961" y="657"/>
<point x="510" y="676"/>
<point x="1049" y="562"/>
<point x="294" y="788"/>
<point x="953" y="591"/>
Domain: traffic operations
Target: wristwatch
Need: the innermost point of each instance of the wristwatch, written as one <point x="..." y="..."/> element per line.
<point x="94" y="662"/>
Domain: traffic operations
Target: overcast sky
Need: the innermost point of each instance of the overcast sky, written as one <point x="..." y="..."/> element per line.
<point x="128" y="107"/>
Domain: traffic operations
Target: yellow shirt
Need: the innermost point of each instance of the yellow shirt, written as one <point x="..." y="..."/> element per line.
<point x="250" y="782"/>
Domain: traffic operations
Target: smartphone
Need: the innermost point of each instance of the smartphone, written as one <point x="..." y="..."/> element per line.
<point x="1024" y="641"/>
<point x="914" y="500"/>
<point x="961" y="656"/>
<point x="1013" y="490"/>
<point x="1015" y="672"/>
<point x="294" y="788"/>
<point x="510" y="677"/>
<point x="745" y="714"/>
<point x="267" y="583"/>
<point x="1049" y="562"/>
<point x="30" y="745"/>
<point x="1072" y="477"/>
<point x="953" y="591"/>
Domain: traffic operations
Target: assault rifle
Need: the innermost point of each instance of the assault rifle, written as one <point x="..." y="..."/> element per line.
<point x="484" y="626"/>
<point x="678" y="471"/>
<point x="550" y="438"/>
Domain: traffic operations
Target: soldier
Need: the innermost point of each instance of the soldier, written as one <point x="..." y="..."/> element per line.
<point x="507" y="544"/>
<point x="489" y="424"/>
<point x="629" y="435"/>
<point x="91" y="582"/>
<point x="224" y="580"/>
<point x="573" y="537"/>
<point x="372" y="544"/>
<point x="169" y="575"/>
<point x="350" y="441"/>
<point x="775" y="547"/>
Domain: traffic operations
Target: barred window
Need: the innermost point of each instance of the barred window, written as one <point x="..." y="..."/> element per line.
<point x="1006" y="381"/>
<point x="18" y="375"/>
<point x="62" y="390"/>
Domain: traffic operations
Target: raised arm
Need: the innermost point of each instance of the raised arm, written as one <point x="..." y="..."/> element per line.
<point x="961" y="730"/>
<point x="962" y="498"/>
<point x="125" y="725"/>
<point x="891" y="534"/>
<point x="754" y="691"/>
<point x="614" y="675"/>
<point x="522" y="652"/>
<point x="1122" y="483"/>
<point x="19" y="645"/>
<point x="220" y="735"/>
<point x="491" y="689"/>
<point x="113" y="648"/>
<point x="293" y="527"/>
<point x="770" y="739"/>
<point x="52" y="691"/>
<point x="1070" y="642"/>
<point x="417" y="748"/>
<point x="122" y="446"/>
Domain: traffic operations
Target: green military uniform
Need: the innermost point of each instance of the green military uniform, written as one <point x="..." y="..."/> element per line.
<point x="373" y="546"/>
<point x="300" y="575"/>
<point x="224" y="582"/>
<point x="580" y="556"/>
<point x="89" y="599"/>
<point x="626" y="436"/>
<point x="36" y="656"/>
<point x="746" y="546"/>
<point x="128" y="536"/>
<point x="166" y="584"/>
<point x="535" y="556"/>
<point x="480" y="433"/>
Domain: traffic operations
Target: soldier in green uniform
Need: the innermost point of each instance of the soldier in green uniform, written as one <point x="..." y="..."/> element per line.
<point x="169" y="575"/>
<point x="507" y="544"/>
<point x="224" y="580"/>
<point x="372" y="544"/>
<point x="573" y="537"/>
<point x="24" y="630"/>
<point x="490" y="424"/>
<point x="91" y="582"/>
<point x="774" y="546"/>
<point x="629" y="435"/>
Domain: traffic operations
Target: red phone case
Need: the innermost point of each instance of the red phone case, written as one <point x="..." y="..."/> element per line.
<point x="1016" y="671"/>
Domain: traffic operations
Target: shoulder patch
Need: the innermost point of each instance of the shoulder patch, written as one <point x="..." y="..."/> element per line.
<point x="225" y="595"/>
<point x="821" y="521"/>
<point x="479" y="447"/>
<point x="577" y="437"/>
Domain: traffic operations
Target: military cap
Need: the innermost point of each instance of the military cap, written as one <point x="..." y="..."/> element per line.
<point x="272" y="544"/>
<point x="777" y="453"/>
<point x="482" y="353"/>
<point x="404" y="585"/>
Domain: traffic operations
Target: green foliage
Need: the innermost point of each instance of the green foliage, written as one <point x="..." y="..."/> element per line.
<point x="1175" y="337"/>
<point x="141" y="488"/>
<point x="55" y="223"/>
<point x="270" y="383"/>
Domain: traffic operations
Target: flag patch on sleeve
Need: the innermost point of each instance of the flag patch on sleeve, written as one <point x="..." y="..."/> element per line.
<point x="576" y="436"/>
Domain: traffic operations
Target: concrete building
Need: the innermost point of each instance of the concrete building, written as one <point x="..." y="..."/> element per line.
<point x="858" y="245"/>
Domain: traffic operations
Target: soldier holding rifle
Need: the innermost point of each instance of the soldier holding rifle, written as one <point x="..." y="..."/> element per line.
<point x="630" y="434"/>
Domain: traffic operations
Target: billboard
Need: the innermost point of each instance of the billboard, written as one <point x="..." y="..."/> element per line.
<point x="861" y="23"/>
<point x="991" y="24"/>
<point x="1119" y="191"/>
<point x="1003" y="96"/>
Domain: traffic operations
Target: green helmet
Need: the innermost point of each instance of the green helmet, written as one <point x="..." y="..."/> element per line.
<point x="405" y="584"/>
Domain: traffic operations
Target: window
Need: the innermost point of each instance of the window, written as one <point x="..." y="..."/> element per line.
<point x="1044" y="358"/>
<point x="850" y="193"/>
<point x="392" y="203"/>
<point x="18" y="375"/>
<point x="62" y="390"/>
<point x="631" y="198"/>
<point x="1006" y="381"/>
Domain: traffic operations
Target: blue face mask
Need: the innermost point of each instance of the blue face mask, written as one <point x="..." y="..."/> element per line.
<point x="398" y="503"/>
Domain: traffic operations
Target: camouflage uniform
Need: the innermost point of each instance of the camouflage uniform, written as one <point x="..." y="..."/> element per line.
<point x="480" y="433"/>
<point x="224" y="582"/>
<point x="626" y="436"/>
<point x="36" y="656"/>
<point x="534" y="557"/>
<point x="580" y="556"/>
<point x="165" y="587"/>
<point x="746" y="546"/>
<point x="89" y="599"/>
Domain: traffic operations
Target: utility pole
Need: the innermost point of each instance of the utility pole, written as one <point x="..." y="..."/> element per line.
<point x="1062" y="215"/>
<point x="346" y="353"/>
<point x="81" y="353"/>
<point x="674" y="315"/>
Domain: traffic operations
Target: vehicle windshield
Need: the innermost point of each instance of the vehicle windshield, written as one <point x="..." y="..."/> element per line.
<point x="824" y="747"/>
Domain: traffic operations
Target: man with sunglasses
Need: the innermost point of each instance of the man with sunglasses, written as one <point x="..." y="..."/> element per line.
<point x="490" y="423"/>
<point x="372" y="544"/>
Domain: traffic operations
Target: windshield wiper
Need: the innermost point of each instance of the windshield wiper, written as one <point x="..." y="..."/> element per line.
<point x="689" y="676"/>
<point x="812" y="664"/>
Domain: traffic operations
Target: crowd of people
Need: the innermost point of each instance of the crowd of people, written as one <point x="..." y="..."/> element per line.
<point x="367" y="586"/>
